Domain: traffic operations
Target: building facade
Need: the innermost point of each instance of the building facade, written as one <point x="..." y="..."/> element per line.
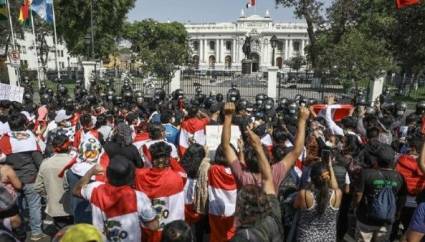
<point x="28" y="53"/>
<point x="218" y="46"/>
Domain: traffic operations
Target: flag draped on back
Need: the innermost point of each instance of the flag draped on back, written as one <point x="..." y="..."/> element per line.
<point x="406" y="3"/>
<point x="44" y="9"/>
<point x="24" y="12"/>
<point x="251" y="3"/>
<point x="3" y="10"/>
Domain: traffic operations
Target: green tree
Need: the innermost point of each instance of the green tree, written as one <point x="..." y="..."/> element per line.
<point x="160" y="47"/>
<point x="73" y="24"/>
<point x="296" y="62"/>
<point x="311" y="11"/>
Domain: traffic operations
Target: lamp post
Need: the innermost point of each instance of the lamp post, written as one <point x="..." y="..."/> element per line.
<point x="273" y="42"/>
<point x="87" y="40"/>
<point x="91" y="29"/>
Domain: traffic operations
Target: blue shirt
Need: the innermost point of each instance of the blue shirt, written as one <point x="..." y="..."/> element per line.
<point x="171" y="133"/>
<point x="417" y="223"/>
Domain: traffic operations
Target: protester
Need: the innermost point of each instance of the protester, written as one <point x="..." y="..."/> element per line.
<point x="147" y="168"/>
<point x="24" y="156"/>
<point x="49" y="185"/>
<point x="380" y="196"/>
<point x="164" y="186"/>
<point x="122" y="144"/>
<point x="118" y="210"/>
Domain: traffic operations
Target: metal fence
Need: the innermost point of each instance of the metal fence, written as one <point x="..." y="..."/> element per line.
<point x="311" y="85"/>
<point x="222" y="81"/>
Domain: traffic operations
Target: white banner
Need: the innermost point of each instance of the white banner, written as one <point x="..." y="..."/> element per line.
<point x="213" y="137"/>
<point x="11" y="93"/>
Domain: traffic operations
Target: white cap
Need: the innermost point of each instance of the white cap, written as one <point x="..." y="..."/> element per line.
<point x="61" y="116"/>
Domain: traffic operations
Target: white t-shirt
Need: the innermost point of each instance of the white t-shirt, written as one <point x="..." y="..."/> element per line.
<point x="122" y="210"/>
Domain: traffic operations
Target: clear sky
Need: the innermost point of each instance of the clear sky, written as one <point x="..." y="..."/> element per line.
<point x="200" y="11"/>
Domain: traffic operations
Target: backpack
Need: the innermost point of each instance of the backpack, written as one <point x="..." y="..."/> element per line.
<point x="7" y="197"/>
<point x="383" y="206"/>
<point x="260" y="232"/>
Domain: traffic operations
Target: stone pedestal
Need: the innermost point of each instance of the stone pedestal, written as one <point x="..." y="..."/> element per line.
<point x="246" y="66"/>
<point x="376" y="87"/>
<point x="88" y="68"/>
<point x="175" y="82"/>
<point x="272" y="82"/>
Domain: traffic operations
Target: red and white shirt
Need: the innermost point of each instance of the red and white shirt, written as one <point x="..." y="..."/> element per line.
<point x="222" y="193"/>
<point x="140" y="139"/>
<point x="164" y="187"/>
<point x="80" y="135"/>
<point x="192" y="128"/>
<point x="118" y="211"/>
<point x="18" y="141"/>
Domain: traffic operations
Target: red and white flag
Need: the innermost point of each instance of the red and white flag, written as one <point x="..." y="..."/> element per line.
<point x="165" y="189"/>
<point x="406" y="3"/>
<point x="250" y="3"/>
<point x="192" y="130"/>
<point x="222" y="193"/>
<point x="19" y="141"/>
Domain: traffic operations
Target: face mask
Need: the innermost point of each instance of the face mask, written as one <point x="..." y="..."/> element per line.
<point x="400" y="113"/>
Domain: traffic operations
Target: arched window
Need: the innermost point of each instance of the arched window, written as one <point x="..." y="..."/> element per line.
<point x="195" y="61"/>
<point x="228" y="62"/>
<point x="279" y="62"/>
<point x="211" y="61"/>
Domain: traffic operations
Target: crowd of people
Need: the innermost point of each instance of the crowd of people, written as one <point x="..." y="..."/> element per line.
<point x="101" y="166"/>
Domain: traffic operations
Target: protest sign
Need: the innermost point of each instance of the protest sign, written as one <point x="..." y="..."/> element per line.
<point x="11" y="93"/>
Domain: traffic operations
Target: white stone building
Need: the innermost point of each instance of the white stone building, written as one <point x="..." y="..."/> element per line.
<point x="28" y="53"/>
<point x="218" y="46"/>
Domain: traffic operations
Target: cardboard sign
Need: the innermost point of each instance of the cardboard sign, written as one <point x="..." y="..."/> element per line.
<point x="213" y="137"/>
<point x="11" y="93"/>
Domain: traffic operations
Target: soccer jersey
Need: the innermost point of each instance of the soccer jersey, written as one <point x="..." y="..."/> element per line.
<point x="118" y="212"/>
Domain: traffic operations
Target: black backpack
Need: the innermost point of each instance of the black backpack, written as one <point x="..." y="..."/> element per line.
<point x="383" y="206"/>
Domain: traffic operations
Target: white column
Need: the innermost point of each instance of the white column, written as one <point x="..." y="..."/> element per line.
<point x="13" y="74"/>
<point x="203" y="51"/>
<point x="290" y="48"/>
<point x="286" y="49"/>
<point x="376" y="87"/>
<point x="218" y="50"/>
<point x="302" y="47"/>
<point x="272" y="82"/>
<point x="234" y="51"/>
<point x="88" y="68"/>
<point x="175" y="81"/>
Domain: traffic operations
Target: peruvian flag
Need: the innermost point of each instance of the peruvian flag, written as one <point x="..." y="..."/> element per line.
<point x="222" y="193"/>
<point x="250" y="3"/>
<point x="165" y="189"/>
<point x="406" y="3"/>
<point x="341" y="112"/>
<point x="192" y="130"/>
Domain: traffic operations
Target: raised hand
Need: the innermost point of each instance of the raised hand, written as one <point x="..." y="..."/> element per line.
<point x="229" y="108"/>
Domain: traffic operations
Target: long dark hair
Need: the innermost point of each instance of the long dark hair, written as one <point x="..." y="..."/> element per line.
<point x="320" y="185"/>
<point x="192" y="160"/>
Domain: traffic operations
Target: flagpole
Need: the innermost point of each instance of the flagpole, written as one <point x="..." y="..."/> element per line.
<point x="11" y="25"/>
<point x="13" y="40"/>
<point x="56" y="40"/>
<point x="35" y="48"/>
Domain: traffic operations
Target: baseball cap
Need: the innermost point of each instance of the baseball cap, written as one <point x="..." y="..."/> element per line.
<point x="61" y="116"/>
